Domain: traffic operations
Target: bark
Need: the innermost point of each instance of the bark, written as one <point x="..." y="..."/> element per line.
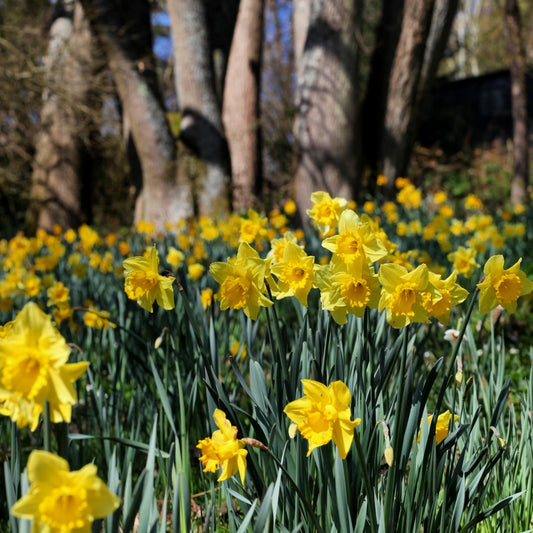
<point x="515" y="48"/>
<point x="241" y="104"/>
<point x="375" y="102"/>
<point x="326" y="115"/>
<point x="56" y="192"/>
<point x="201" y="120"/>
<point x="441" y="26"/>
<point x="300" y="24"/>
<point x="404" y="81"/>
<point x="163" y="198"/>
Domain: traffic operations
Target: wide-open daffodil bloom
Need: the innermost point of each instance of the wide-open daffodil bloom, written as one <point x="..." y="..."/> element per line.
<point x="347" y="289"/>
<point x="295" y="273"/>
<point x="439" y="303"/>
<point x="502" y="286"/>
<point x="355" y="242"/>
<point x="242" y="281"/>
<point x="144" y="283"/>
<point x="464" y="260"/>
<point x="61" y="501"/>
<point x="402" y="294"/>
<point x="34" y="370"/>
<point x="442" y="427"/>
<point x="326" y="211"/>
<point x="223" y="449"/>
<point x="323" y="414"/>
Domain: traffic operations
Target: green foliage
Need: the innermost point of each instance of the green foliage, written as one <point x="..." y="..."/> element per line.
<point x="156" y="379"/>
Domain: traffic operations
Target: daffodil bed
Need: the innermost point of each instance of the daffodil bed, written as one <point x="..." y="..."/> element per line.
<point x="371" y="373"/>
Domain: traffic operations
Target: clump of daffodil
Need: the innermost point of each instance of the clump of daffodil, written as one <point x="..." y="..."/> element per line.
<point x="409" y="196"/>
<point x="403" y="294"/>
<point x="347" y="289"/>
<point x="502" y="286"/>
<point x="326" y="211"/>
<point x="295" y="273"/>
<point x="242" y="281"/>
<point x="439" y="303"/>
<point x="442" y="427"/>
<point x="223" y="449"/>
<point x="323" y="414"/>
<point x="60" y="500"/>
<point x="355" y="242"/>
<point x="144" y="283"/>
<point x="34" y="370"/>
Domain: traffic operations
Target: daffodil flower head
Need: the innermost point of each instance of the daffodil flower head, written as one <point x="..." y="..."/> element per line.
<point x="442" y="426"/>
<point x="502" y="286"/>
<point x="61" y="500"/>
<point x="326" y="211"/>
<point x="347" y="289"/>
<point x="34" y="370"/>
<point x="355" y="241"/>
<point x="323" y="414"/>
<point x="464" y="260"/>
<point x="144" y="283"/>
<point x="295" y="273"/>
<point x="242" y="281"/>
<point x="223" y="449"/>
<point x="447" y="293"/>
<point x="402" y="294"/>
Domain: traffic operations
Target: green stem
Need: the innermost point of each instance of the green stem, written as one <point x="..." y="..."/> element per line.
<point x="457" y="346"/>
<point x="47" y="430"/>
<point x="368" y="485"/>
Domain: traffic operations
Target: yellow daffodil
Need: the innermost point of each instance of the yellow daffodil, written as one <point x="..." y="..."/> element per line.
<point x="473" y="202"/>
<point x="381" y="180"/>
<point x="88" y="238"/>
<point x="252" y="227"/>
<point x="326" y="211"/>
<point x="144" y="283"/>
<point x="402" y="294"/>
<point x="502" y="286"/>
<point x="439" y="303"/>
<point x="95" y="318"/>
<point x="323" y="414"/>
<point x="206" y="297"/>
<point x="175" y="257"/>
<point x="277" y="246"/>
<point x="59" y="500"/>
<point x="34" y="369"/>
<point x="242" y="281"/>
<point x="223" y="449"/>
<point x="355" y="241"/>
<point x="346" y="289"/>
<point x="290" y="207"/>
<point x="464" y="261"/>
<point x="57" y="294"/>
<point x="442" y="427"/>
<point x="409" y="196"/>
<point x="295" y="273"/>
<point x="195" y="271"/>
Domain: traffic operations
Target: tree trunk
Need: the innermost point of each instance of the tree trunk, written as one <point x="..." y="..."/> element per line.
<point x="515" y="48"/>
<point x="163" y="197"/>
<point x="241" y="104"/>
<point x="201" y="120"/>
<point x="403" y="88"/>
<point x="56" y="193"/>
<point x="375" y="103"/>
<point x="326" y="115"/>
